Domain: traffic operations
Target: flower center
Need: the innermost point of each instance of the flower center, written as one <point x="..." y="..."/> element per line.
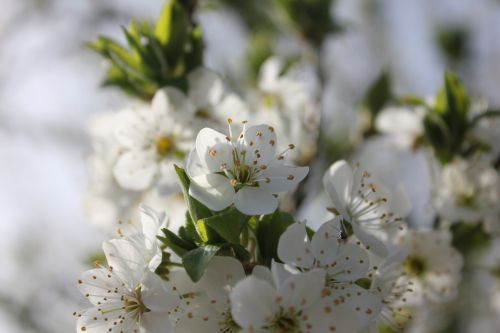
<point x="202" y="113"/>
<point x="164" y="146"/>
<point x="415" y="266"/>
<point x="466" y="199"/>
<point x="135" y="304"/>
<point x="228" y="325"/>
<point x="285" y="322"/>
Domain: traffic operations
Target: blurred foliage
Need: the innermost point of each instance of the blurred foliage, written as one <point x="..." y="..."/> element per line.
<point x="447" y="120"/>
<point x="453" y="43"/>
<point x="469" y="237"/>
<point x="377" y="96"/>
<point x="156" y="55"/>
<point x="311" y="17"/>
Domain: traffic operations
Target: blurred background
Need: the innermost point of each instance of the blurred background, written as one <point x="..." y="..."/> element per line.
<point x="49" y="89"/>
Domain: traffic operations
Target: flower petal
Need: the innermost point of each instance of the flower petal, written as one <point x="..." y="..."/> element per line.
<point x="154" y="322"/>
<point x="294" y="247"/>
<point x="255" y="201"/>
<point x="261" y="144"/>
<point x="337" y="183"/>
<point x="133" y="128"/>
<point x="170" y="101"/>
<point x="365" y="303"/>
<point x="352" y="263"/>
<point x="325" y="242"/>
<point x="302" y="290"/>
<point x="221" y="275"/>
<point x="326" y="316"/>
<point x="214" y="150"/>
<point x="154" y="294"/>
<point x="205" y="87"/>
<point x="253" y="303"/>
<point x="281" y="178"/>
<point x="125" y="259"/>
<point x="135" y="170"/>
<point x="371" y="242"/>
<point x="214" y="191"/>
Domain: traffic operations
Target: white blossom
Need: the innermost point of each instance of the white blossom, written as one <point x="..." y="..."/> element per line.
<point x="284" y="101"/>
<point x="469" y="192"/>
<point x="342" y="263"/>
<point x="127" y="297"/>
<point x="297" y="305"/>
<point x="432" y="266"/>
<point x="369" y="208"/>
<point x="244" y="169"/>
<point x="210" y="309"/>
<point x="153" y="139"/>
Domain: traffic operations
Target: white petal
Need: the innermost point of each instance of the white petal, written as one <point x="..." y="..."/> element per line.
<point x="263" y="273"/>
<point x="92" y="320"/>
<point x="151" y="222"/>
<point x="214" y="150"/>
<point x="325" y="242"/>
<point x="135" y="170"/>
<point x="269" y="74"/>
<point x="302" y="290"/>
<point x="133" y="128"/>
<point x="337" y="183"/>
<point x="221" y="275"/>
<point x="154" y="322"/>
<point x="371" y="242"/>
<point x="261" y="143"/>
<point x="281" y="178"/>
<point x="212" y="190"/>
<point x="400" y="203"/>
<point x="325" y="316"/>
<point x="194" y="167"/>
<point x="126" y="260"/>
<point x="232" y="107"/>
<point x="95" y="283"/>
<point x="366" y="304"/>
<point x="154" y="294"/>
<point x="168" y="182"/>
<point x="352" y="263"/>
<point x="171" y="100"/>
<point x="294" y="247"/>
<point x="205" y="87"/>
<point x="255" y="201"/>
<point x="253" y="302"/>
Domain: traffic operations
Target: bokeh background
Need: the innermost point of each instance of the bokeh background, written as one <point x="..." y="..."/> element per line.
<point x="49" y="89"/>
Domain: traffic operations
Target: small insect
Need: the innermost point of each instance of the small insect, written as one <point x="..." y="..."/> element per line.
<point x="342" y="235"/>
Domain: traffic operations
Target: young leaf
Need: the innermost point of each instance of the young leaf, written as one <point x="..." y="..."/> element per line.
<point x="269" y="230"/>
<point x="227" y="224"/>
<point x="195" y="261"/>
<point x="196" y="209"/>
<point x="178" y="245"/>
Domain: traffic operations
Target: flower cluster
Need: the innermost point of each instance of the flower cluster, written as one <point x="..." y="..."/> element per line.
<point x="273" y="226"/>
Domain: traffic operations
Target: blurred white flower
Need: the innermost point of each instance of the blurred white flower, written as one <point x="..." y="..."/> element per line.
<point x="432" y="266"/>
<point x="370" y="209"/>
<point x="152" y="140"/>
<point x="245" y="170"/>
<point x="297" y="305"/>
<point x="402" y="124"/>
<point x="285" y="102"/>
<point x="469" y="191"/>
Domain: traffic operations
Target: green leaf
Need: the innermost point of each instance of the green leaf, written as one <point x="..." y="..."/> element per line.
<point x="227" y="224"/>
<point x="164" y="24"/>
<point x="378" y="94"/>
<point x="269" y="230"/>
<point x="177" y="244"/>
<point x="196" y="209"/>
<point x="195" y="261"/>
